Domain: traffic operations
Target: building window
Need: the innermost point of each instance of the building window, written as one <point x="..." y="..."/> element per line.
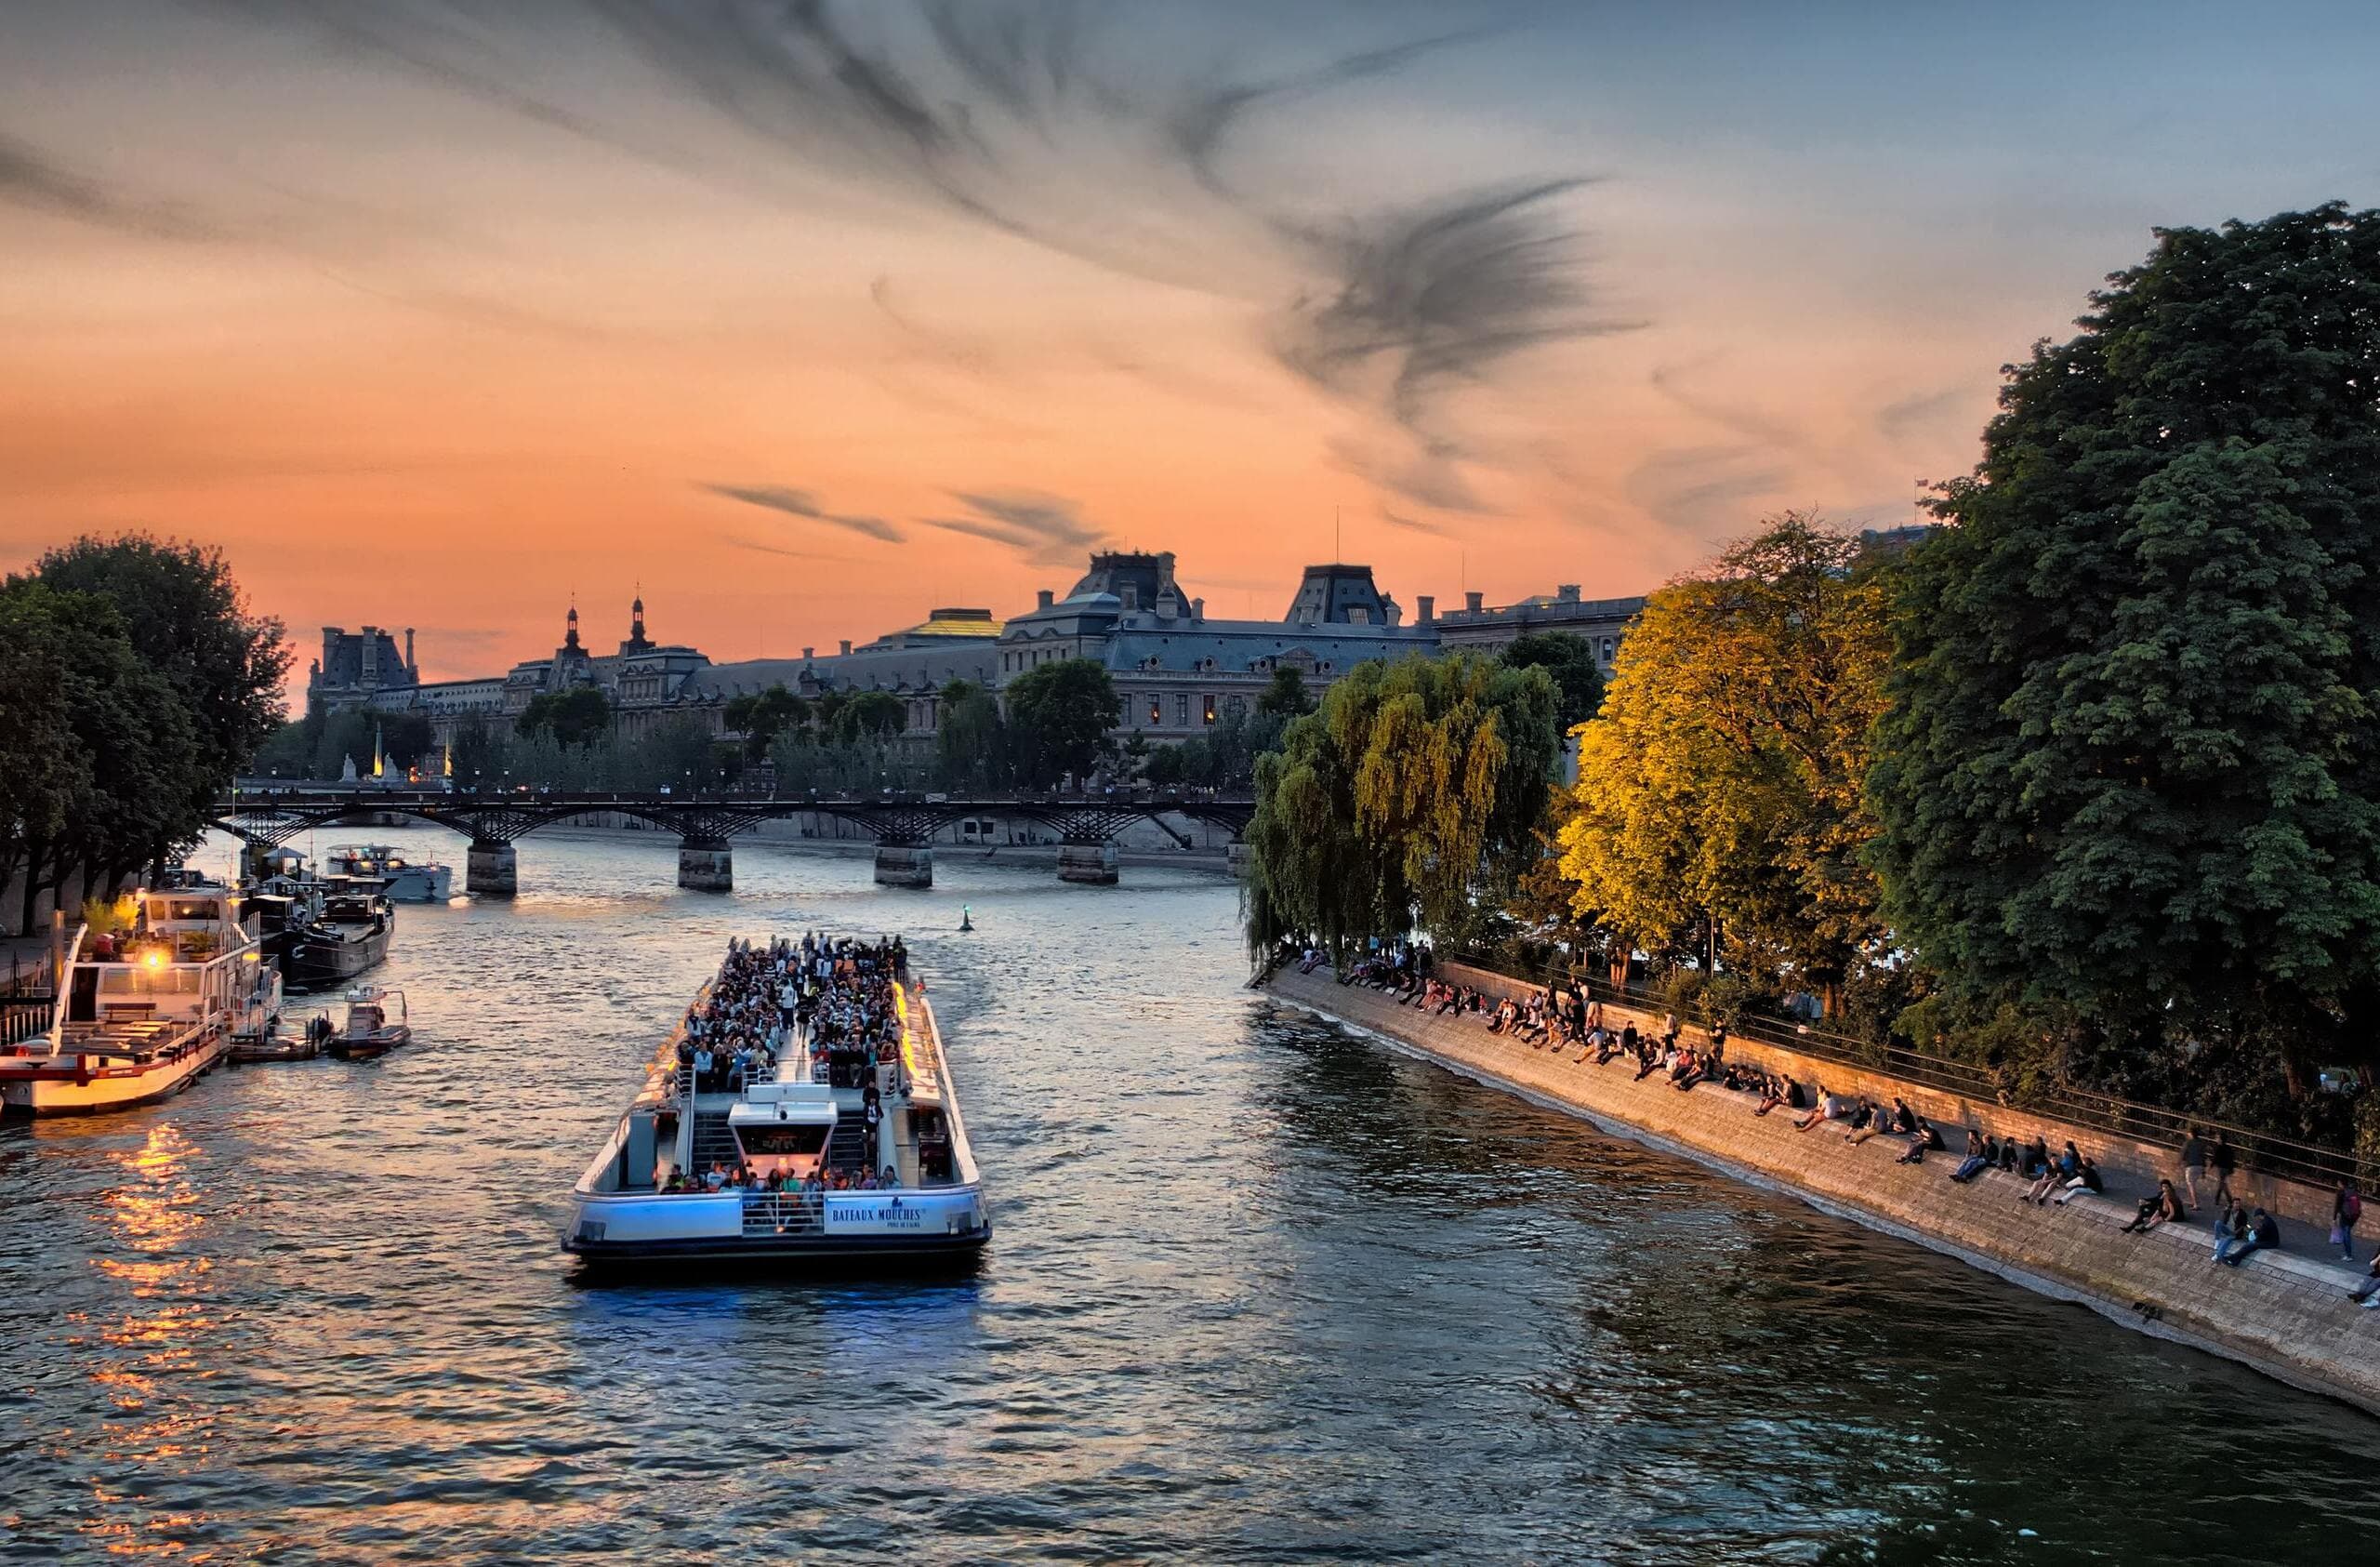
<point x="1181" y="710"/>
<point x="1156" y="707"/>
<point x="1210" y="700"/>
<point x="1236" y="705"/>
<point x="1608" y="649"/>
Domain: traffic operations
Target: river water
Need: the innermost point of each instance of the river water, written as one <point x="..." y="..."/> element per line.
<point x="1259" y="1292"/>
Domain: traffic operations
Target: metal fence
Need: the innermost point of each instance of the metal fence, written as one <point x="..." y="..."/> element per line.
<point x="2310" y="1163"/>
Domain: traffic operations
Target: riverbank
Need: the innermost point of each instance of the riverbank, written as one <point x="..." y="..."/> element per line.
<point x="2282" y="1312"/>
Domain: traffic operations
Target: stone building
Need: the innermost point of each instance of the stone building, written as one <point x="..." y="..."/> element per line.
<point x="1600" y="623"/>
<point x="357" y="665"/>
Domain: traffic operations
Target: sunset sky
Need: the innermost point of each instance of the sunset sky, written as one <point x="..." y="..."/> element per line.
<point x="808" y="319"/>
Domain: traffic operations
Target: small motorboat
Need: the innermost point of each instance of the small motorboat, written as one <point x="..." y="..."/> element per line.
<point x="369" y="1031"/>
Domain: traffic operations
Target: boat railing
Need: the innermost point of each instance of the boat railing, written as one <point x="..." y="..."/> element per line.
<point x="785" y="1212"/>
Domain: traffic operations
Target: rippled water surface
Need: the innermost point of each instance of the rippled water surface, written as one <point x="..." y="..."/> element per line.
<point x="1259" y="1292"/>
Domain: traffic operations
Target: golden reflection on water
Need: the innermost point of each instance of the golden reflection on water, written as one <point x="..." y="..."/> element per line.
<point x="165" y="1339"/>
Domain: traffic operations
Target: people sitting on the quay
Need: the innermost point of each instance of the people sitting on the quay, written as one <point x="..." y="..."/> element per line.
<point x="1689" y="1069"/>
<point x="2165" y="1205"/>
<point x="2367" y="1293"/>
<point x="2087" y="1178"/>
<point x="1923" y="1138"/>
<point x="2065" y="1167"/>
<point x="1981" y="1151"/>
<point x="2261" y="1232"/>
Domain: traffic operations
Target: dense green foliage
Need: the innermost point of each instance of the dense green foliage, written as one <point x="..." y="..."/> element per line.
<point x="1285" y="696"/>
<point x="573" y="718"/>
<point x="132" y="679"/>
<point x="2130" y="775"/>
<point x="1571" y="661"/>
<point x="1062" y="712"/>
<point x="762" y="716"/>
<point x="1411" y="795"/>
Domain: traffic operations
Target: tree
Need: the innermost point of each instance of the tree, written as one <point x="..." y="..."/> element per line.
<point x="1062" y="712"/>
<point x="575" y="717"/>
<point x="1412" y="794"/>
<point x="478" y="753"/>
<point x="1162" y="767"/>
<point x="408" y="739"/>
<point x="969" y="740"/>
<point x="1719" y="789"/>
<point x="346" y="736"/>
<point x="865" y="715"/>
<point x="1571" y="661"/>
<point x="761" y="717"/>
<point x="2131" y="764"/>
<point x="188" y="621"/>
<point x="1286" y="696"/>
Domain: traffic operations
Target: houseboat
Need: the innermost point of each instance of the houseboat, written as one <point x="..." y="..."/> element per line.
<point x="403" y="877"/>
<point x="347" y="933"/>
<point x="142" y="1011"/>
<point x="801" y="1116"/>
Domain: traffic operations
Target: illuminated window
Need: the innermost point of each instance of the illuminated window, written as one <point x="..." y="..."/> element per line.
<point x="1156" y="710"/>
<point x="1210" y="700"/>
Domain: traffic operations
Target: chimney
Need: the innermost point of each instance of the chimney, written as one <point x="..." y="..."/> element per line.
<point x="1042" y="599"/>
<point x="411" y="668"/>
<point x="847" y="647"/>
<point x="1567" y="592"/>
<point x="808" y="654"/>
<point x="1472" y="602"/>
<point x="1132" y="597"/>
<point x="1425" y="609"/>
<point x="1197" y="609"/>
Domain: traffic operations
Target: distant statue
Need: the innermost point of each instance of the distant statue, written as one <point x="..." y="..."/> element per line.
<point x="347" y="769"/>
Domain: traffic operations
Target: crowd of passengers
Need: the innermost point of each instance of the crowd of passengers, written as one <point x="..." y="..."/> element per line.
<point x="765" y="998"/>
<point x="827" y="1004"/>
<point x="1561" y="1018"/>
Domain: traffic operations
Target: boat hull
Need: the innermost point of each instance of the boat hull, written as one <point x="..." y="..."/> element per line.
<point x="61" y="1090"/>
<point x="317" y="963"/>
<point x="419" y="883"/>
<point x="930" y="1227"/>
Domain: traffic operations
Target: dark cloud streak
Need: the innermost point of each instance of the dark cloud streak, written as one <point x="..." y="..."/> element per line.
<point x="801" y="503"/>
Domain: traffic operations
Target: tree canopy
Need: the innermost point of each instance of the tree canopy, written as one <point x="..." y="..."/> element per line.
<point x="2131" y="764"/>
<point x="132" y="681"/>
<point x="1571" y="661"/>
<point x="575" y="717"/>
<point x="1285" y="696"/>
<point x="762" y="716"/>
<point x="1062" y="712"/>
<point x="1719" y="790"/>
<point x="1411" y="794"/>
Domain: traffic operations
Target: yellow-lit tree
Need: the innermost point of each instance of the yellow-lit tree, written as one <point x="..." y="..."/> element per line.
<point x="1718" y="807"/>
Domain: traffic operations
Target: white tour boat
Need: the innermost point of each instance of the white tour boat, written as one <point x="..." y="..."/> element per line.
<point x="144" y="1011"/>
<point x="846" y="1147"/>
<point x="404" y="880"/>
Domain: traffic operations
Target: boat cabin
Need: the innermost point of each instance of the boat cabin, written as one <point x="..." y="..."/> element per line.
<point x="167" y="970"/>
<point x="783" y="1128"/>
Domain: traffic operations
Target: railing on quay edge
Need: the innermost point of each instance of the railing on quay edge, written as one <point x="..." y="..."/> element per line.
<point x="2309" y="1164"/>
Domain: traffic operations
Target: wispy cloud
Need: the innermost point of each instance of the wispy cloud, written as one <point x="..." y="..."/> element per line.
<point x="29" y="179"/>
<point x="802" y="504"/>
<point x="1704" y="490"/>
<point x="1046" y="529"/>
<point x="1416" y="524"/>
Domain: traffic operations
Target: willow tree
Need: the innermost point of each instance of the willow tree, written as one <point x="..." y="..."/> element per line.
<point x="2132" y="763"/>
<point x="1718" y="804"/>
<point x="1410" y="796"/>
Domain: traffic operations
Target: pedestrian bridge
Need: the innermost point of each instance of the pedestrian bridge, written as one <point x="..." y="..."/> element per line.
<point x="904" y="826"/>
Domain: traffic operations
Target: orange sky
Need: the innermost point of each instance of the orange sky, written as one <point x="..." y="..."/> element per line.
<point x="433" y="314"/>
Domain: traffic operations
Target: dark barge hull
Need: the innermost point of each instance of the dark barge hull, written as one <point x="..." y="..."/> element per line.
<point x="318" y="963"/>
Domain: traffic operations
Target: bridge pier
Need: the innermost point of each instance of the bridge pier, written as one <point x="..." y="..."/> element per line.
<point x="1236" y="857"/>
<point x="491" y="871"/>
<point x="904" y="865"/>
<point x="1091" y="864"/>
<point x="706" y="867"/>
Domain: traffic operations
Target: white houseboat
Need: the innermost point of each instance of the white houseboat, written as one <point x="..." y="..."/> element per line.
<point x="833" y="1153"/>
<point x="143" y="1010"/>
<point x="403" y="878"/>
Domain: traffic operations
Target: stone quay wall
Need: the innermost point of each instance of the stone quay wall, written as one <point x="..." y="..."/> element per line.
<point x="2283" y="1312"/>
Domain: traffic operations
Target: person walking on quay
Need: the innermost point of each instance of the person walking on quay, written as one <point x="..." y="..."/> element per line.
<point x="2194" y="1162"/>
<point x="2222" y="1160"/>
<point x="2347" y="1206"/>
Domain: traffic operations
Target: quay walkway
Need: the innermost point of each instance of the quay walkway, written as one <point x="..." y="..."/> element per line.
<point x="2283" y="1311"/>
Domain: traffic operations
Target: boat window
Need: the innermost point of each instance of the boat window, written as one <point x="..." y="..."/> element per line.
<point x="804" y="1141"/>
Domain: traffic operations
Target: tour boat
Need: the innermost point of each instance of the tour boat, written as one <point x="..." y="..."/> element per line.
<point x="368" y="1032"/>
<point x="801" y="1134"/>
<point x="144" y="1011"/>
<point x="404" y="881"/>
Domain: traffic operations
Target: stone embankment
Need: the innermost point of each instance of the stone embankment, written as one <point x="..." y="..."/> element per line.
<point x="2283" y="1312"/>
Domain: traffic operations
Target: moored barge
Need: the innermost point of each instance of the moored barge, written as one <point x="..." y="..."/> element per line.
<point x="801" y="1115"/>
